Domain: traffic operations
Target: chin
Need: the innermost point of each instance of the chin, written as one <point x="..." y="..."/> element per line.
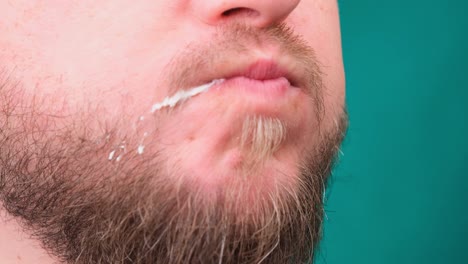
<point x="241" y="177"/>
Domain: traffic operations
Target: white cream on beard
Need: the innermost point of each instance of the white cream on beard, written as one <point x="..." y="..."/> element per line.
<point x="117" y="153"/>
<point x="183" y="95"/>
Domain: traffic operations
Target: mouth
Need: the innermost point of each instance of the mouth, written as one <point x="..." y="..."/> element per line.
<point x="263" y="79"/>
<point x="265" y="71"/>
<point x="262" y="86"/>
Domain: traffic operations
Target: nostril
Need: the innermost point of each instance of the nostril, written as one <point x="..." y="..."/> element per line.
<point x="243" y="11"/>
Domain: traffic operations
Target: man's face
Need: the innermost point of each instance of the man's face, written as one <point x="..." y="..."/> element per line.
<point x="233" y="174"/>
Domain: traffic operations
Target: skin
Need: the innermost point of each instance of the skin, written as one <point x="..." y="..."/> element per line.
<point x="113" y="57"/>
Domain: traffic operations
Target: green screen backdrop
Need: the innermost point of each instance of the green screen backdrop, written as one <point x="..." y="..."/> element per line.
<point x="400" y="193"/>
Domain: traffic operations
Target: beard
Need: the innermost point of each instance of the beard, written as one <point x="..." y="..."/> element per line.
<point x="142" y="210"/>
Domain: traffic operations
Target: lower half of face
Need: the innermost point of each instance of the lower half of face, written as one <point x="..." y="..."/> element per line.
<point x="235" y="173"/>
<point x="273" y="105"/>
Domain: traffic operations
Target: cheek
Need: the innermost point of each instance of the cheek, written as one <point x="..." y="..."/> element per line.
<point x="318" y="23"/>
<point x="82" y="52"/>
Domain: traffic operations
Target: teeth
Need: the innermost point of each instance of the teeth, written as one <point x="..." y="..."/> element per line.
<point x="184" y="95"/>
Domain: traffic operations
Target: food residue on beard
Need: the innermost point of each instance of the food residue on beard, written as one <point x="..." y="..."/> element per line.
<point x="171" y="101"/>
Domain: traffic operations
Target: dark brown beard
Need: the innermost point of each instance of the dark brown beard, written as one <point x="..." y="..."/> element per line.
<point x="87" y="211"/>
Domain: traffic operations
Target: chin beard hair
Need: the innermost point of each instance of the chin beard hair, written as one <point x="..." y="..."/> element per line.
<point x="260" y="138"/>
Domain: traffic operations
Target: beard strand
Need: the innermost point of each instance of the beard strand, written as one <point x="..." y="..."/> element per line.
<point x="260" y="138"/>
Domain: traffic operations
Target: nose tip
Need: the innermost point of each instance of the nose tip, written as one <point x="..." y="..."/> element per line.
<point x="257" y="13"/>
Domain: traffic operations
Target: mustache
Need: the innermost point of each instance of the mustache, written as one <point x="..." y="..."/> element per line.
<point x="201" y="62"/>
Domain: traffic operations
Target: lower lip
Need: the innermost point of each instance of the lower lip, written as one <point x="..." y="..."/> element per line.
<point x="273" y="88"/>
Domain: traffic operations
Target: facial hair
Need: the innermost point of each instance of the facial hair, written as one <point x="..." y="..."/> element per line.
<point x="87" y="211"/>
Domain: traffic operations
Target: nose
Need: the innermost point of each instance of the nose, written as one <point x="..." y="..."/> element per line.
<point x="256" y="13"/>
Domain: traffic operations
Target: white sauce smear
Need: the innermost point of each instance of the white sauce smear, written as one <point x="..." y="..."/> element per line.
<point x="184" y="95"/>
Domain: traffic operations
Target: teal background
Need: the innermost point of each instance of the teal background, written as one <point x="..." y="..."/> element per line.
<point x="400" y="192"/>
